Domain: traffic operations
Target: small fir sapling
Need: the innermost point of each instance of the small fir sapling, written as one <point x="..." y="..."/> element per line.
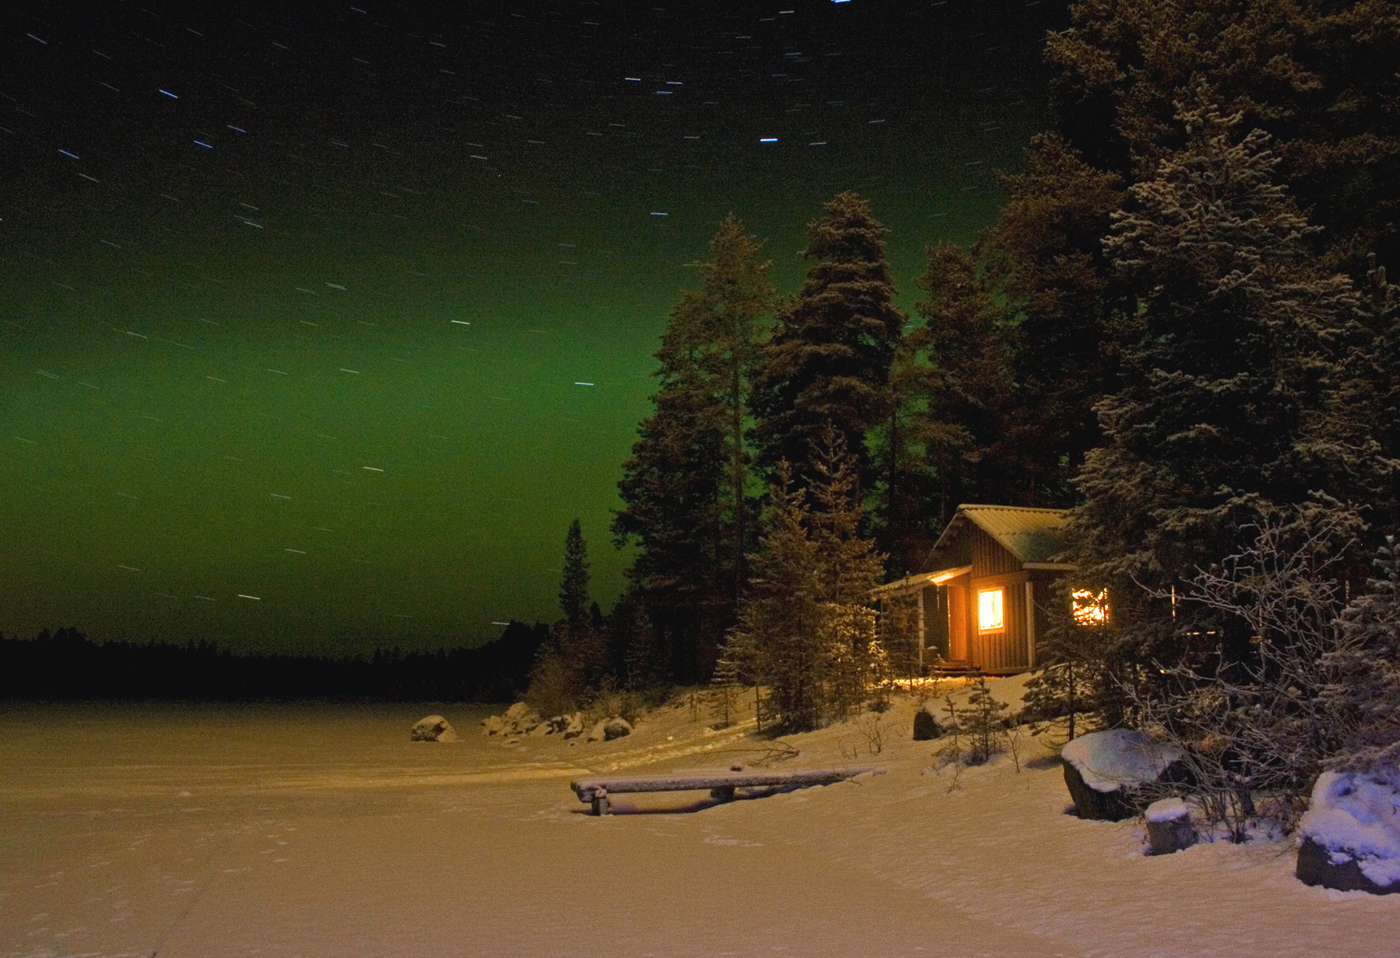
<point x="974" y="730"/>
<point x="725" y="690"/>
<point x="1072" y="656"/>
<point x="1364" y="679"/>
<point x="983" y="720"/>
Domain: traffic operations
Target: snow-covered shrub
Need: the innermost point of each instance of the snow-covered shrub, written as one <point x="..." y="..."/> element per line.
<point x="1264" y="722"/>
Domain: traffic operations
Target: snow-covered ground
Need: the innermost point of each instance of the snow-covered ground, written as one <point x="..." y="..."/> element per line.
<point x="323" y="831"/>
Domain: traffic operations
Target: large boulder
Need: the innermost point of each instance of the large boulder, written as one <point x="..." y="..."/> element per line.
<point x="1349" y="839"/>
<point x="1110" y="775"/>
<point x="434" y="728"/>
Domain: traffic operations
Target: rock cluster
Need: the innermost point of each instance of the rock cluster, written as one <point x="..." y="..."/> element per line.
<point x="609" y="729"/>
<point x="520" y="719"/>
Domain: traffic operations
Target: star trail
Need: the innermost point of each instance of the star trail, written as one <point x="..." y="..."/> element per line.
<point x="322" y="322"/>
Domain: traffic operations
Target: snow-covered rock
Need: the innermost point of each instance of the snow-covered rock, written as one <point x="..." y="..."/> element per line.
<point x="434" y="728"/>
<point x="1169" y="826"/>
<point x="520" y="718"/>
<point x="610" y="728"/>
<point x="1350" y="837"/>
<point x="1108" y="772"/>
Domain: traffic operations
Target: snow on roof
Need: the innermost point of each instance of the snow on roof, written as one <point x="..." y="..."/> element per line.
<point x="1031" y="535"/>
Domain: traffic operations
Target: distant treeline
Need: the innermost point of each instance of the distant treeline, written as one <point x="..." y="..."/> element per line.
<point x="68" y="665"/>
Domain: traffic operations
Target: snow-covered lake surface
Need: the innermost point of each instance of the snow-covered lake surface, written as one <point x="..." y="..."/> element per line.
<point x="321" y="830"/>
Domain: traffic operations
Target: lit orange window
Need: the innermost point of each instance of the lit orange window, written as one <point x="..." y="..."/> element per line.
<point x="1090" y="608"/>
<point x="990" y="614"/>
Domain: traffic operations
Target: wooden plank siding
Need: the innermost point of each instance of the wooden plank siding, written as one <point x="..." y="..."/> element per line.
<point x="1005" y="649"/>
<point x="989" y="557"/>
<point x="995" y="568"/>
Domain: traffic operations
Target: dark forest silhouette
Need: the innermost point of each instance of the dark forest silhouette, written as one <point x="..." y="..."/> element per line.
<point x="68" y="665"/>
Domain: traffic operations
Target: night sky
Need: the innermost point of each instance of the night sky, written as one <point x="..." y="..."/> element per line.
<point x="322" y="321"/>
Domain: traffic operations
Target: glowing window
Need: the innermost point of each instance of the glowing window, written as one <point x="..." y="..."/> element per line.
<point x="1090" y="608"/>
<point x="989" y="610"/>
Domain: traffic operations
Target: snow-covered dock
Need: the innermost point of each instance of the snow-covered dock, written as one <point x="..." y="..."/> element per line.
<point x="721" y="784"/>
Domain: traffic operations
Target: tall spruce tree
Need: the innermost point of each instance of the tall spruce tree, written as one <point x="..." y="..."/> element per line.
<point x="1068" y="313"/>
<point x="827" y="363"/>
<point x="1223" y="417"/>
<point x="573" y="662"/>
<point x="573" y="585"/>
<point x="951" y="379"/>
<point x="686" y="505"/>
<point x="1317" y="75"/>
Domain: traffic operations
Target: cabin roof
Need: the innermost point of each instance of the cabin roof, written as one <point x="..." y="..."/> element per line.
<point x="1031" y="535"/>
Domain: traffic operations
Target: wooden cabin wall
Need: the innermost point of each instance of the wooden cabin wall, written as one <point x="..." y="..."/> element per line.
<point x="989" y="557"/>
<point x="1004" y="650"/>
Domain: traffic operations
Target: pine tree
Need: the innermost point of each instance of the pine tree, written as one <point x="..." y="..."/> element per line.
<point x="573" y="586"/>
<point x="1365" y="416"/>
<point x="725" y="689"/>
<point x="684" y="487"/>
<point x="781" y="617"/>
<point x="828" y="360"/>
<point x="1067" y="316"/>
<point x="1365" y="667"/>
<point x="952" y="381"/>
<point x="572" y="664"/>
<point x="1317" y="75"/>
<point x="738" y="294"/>
<point x="1222" y="416"/>
<point x="638" y="659"/>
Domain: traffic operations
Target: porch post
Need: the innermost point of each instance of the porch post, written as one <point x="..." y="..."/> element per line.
<point x="923" y="636"/>
<point x="1030" y="623"/>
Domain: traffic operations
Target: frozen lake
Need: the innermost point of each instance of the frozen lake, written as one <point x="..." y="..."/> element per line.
<point x="321" y="830"/>
<point x="208" y="830"/>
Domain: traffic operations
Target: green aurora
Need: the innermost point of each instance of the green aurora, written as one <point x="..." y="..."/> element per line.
<point x="303" y="371"/>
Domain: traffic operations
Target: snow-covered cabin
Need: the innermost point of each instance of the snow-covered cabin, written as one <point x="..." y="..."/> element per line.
<point x="982" y="597"/>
